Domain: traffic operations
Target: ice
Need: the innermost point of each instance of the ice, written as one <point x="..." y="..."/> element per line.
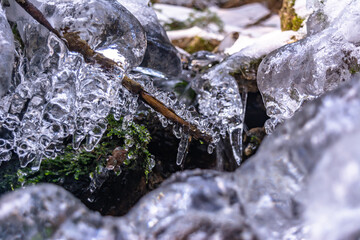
<point x="159" y="48"/>
<point x="333" y="194"/>
<point x="221" y="102"/>
<point x="301" y="184"/>
<point x="221" y="105"/>
<point x="182" y="149"/>
<point x="329" y="54"/>
<point x="7" y="50"/>
<point x="57" y="94"/>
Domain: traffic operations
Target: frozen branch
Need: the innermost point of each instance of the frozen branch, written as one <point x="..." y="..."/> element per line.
<point x="74" y="43"/>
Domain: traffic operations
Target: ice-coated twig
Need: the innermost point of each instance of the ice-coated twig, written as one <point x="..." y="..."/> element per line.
<point x="74" y="43"/>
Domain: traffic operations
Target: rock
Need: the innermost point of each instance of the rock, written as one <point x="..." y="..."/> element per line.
<point x="159" y="48"/>
<point x="329" y="54"/>
<point x="7" y="50"/>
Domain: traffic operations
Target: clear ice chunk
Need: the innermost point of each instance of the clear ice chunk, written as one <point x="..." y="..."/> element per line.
<point x="159" y="48"/>
<point x="221" y="105"/>
<point x="7" y="51"/>
<point x="107" y="26"/>
<point x="306" y="69"/>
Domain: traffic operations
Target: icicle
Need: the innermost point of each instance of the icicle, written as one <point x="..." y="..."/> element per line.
<point x="183" y="148"/>
<point x="35" y="164"/>
<point x="235" y="132"/>
<point x="235" y="135"/>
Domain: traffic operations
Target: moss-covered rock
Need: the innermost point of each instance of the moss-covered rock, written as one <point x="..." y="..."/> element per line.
<point x="289" y="19"/>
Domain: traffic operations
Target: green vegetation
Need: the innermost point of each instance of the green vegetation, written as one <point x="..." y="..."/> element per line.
<point x="289" y="19"/>
<point x="354" y="70"/>
<point x="82" y="164"/>
<point x="17" y="36"/>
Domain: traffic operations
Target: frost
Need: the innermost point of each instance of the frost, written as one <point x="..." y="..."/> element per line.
<point x="329" y="54"/>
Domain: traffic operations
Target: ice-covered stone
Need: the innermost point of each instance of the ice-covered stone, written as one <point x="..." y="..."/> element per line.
<point x="7" y="51"/>
<point x="333" y="196"/>
<point x="57" y="94"/>
<point x="49" y="212"/>
<point x="289" y="157"/>
<point x="304" y="70"/>
<point x="301" y="183"/>
<point x="159" y="48"/>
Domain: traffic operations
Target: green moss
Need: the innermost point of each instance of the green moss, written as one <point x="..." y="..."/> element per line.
<point x="296" y="22"/>
<point x="289" y="19"/>
<point x="79" y="164"/>
<point x="354" y="69"/>
<point x="198" y="44"/>
<point x="17" y="36"/>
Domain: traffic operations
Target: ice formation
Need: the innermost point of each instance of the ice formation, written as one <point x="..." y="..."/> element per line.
<point x="7" y="50"/>
<point x="56" y="93"/>
<point x="159" y="48"/>
<point x="221" y="102"/>
<point x="333" y="202"/>
<point x="304" y="70"/>
<point x="301" y="184"/>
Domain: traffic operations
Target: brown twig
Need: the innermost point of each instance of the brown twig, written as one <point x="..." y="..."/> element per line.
<point x="76" y="44"/>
